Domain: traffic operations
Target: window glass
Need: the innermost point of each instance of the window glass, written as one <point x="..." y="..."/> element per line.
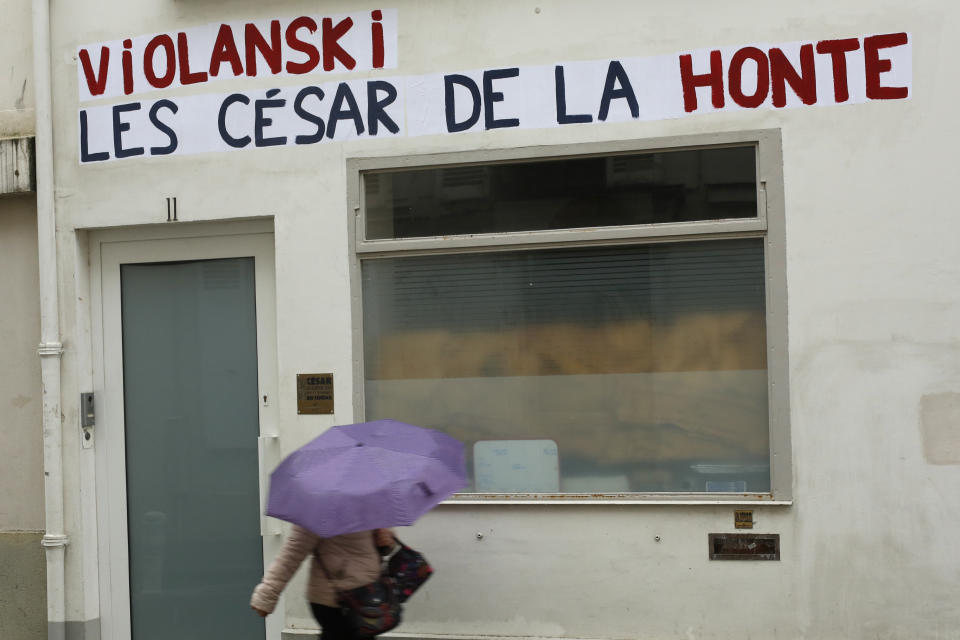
<point x="642" y="188"/>
<point x="638" y="368"/>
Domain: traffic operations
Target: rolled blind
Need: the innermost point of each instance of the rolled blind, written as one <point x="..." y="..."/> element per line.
<point x="585" y="284"/>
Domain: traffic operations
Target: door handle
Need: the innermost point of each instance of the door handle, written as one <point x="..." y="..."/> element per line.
<point x="268" y="457"/>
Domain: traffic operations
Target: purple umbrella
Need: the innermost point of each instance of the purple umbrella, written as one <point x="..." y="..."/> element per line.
<point x="363" y="476"/>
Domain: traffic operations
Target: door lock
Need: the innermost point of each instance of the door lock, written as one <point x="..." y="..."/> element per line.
<point x="87" y="415"/>
<point x="88" y="418"/>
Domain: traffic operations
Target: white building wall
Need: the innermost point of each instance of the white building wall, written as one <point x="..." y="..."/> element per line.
<point x="22" y="505"/>
<point x="22" y="590"/>
<point x="20" y="323"/>
<point x="868" y="545"/>
<point x="16" y="79"/>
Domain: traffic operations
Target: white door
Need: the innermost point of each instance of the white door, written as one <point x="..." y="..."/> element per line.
<point x="186" y="333"/>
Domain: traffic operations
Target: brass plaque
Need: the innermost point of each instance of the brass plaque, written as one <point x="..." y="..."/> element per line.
<point x="743" y="519"/>
<point x="314" y="393"/>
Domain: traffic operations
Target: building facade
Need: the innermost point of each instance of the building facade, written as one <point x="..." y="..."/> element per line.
<point x="683" y="279"/>
<point x="23" y="584"/>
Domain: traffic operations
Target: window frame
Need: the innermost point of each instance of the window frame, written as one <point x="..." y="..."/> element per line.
<point x="769" y="224"/>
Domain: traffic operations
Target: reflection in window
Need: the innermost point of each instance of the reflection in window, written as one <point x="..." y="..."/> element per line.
<point x="644" y="366"/>
<point x="645" y="188"/>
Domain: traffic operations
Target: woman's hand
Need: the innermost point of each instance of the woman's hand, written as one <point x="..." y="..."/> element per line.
<point x="383" y="538"/>
<point x="260" y="612"/>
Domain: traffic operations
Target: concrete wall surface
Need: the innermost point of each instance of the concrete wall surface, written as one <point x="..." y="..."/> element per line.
<point x="23" y="598"/>
<point x="21" y="475"/>
<point x="868" y="541"/>
<point x="22" y="573"/>
<point x="16" y="73"/>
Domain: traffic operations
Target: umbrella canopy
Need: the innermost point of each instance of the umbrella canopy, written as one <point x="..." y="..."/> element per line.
<point x="368" y="475"/>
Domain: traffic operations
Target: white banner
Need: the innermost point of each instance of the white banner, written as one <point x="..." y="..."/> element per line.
<point x="759" y="76"/>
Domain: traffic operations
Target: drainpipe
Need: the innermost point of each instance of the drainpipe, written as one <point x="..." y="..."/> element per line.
<point x="50" y="349"/>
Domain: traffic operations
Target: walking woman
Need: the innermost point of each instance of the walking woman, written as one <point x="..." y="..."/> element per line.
<point x="339" y="563"/>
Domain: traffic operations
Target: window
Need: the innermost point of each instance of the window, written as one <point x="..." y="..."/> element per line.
<point x="608" y="323"/>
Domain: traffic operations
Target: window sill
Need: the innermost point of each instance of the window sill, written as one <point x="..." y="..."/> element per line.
<point x="613" y="498"/>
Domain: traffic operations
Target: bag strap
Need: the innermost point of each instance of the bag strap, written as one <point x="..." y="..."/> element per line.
<point x="397" y="546"/>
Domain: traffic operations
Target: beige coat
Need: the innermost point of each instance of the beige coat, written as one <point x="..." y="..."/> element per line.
<point x="351" y="560"/>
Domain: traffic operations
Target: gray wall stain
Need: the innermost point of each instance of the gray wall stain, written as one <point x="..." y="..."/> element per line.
<point x="21" y="401"/>
<point x="20" y="104"/>
<point x="940" y="427"/>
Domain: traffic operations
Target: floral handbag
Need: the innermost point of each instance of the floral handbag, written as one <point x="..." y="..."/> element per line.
<point x="408" y="569"/>
<point x="373" y="608"/>
<point x="370" y="609"/>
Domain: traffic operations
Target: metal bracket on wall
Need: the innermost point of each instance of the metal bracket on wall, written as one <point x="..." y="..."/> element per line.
<point x="88" y="418"/>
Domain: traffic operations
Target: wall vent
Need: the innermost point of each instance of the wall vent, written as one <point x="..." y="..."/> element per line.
<point x="744" y="546"/>
<point x="17" y="165"/>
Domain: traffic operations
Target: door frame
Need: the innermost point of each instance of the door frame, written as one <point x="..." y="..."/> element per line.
<point x="108" y="250"/>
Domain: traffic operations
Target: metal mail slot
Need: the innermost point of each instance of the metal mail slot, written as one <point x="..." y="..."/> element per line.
<point x="744" y="546"/>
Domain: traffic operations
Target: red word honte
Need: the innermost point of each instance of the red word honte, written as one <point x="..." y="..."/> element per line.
<point x="774" y="72"/>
